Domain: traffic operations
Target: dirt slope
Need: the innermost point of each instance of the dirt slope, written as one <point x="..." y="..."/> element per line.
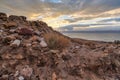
<point x="24" y="54"/>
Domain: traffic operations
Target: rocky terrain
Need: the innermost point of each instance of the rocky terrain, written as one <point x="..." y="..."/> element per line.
<point x="25" y="54"/>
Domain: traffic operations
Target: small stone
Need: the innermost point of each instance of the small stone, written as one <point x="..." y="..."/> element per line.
<point x="12" y="30"/>
<point x="54" y="76"/>
<point x="66" y="57"/>
<point x="34" y="38"/>
<point x="28" y="44"/>
<point x="4" y="65"/>
<point x="16" y="73"/>
<point x="1" y="31"/>
<point x="37" y="32"/>
<point x="6" y="40"/>
<point x="12" y="37"/>
<point x="77" y="47"/>
<point x="16" y="42"/>
<point x="6" y="56"/>
<point x="43" y="43"/>
<point x="26" y="71"/>
<point x="18" y="56"/>
<point x="21" y="78"/>
<point x="54" y="51"/>
<point x="5" y="76"/>
<point x="116" y="62"/>
<point x="25" y="31"/>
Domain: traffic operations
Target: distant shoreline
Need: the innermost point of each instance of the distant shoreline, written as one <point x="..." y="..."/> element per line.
<point x="90" y="31"/>
<point x="106" y="36"/>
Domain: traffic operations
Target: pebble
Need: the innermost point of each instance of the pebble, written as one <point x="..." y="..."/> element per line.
<point x="43" y="43"/>
<point x="16" y="42"/>
<point x="26" y="71"/>
<point x="16" y="73"/>
<point x="21" y="78"/>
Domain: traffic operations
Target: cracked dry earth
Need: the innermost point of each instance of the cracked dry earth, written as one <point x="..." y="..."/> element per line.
<point x="24" y="57"/>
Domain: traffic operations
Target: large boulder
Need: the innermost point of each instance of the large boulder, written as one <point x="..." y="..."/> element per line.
<point x="25" y="31"/>
<point x="9" y="25"/>
<point x="17" y="18"/>
<point x="3" y="16"/>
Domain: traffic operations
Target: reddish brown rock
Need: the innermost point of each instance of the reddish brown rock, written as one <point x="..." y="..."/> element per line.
<point x="10" y="25"/>
<point x="25" y="31"/>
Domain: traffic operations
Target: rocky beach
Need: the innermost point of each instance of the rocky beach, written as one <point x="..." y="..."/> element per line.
<point x="27" y="52"/>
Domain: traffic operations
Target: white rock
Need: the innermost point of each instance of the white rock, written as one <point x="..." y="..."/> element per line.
<point x="16" y="42"/>
<point x="1" y="30"/>
<point x="21" y="78"/>
<point x="37" y="32"/>
<point x="77" y="47"/>
<point x="16" y="73"/>
<point x="43" y="43"/>
<point x="54" y="51"/>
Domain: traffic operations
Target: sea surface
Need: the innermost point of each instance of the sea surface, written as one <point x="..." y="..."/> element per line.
<point x="105" y="36"/>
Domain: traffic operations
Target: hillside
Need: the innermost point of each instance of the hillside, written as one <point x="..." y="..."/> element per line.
<point x="31" y="50"/>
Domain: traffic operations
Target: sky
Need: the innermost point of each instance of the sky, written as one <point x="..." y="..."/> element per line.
<point x="68" y="15"/>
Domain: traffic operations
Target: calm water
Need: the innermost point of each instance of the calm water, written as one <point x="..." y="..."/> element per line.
<point x="95" y="36"/>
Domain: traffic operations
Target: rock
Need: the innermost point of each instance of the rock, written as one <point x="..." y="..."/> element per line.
<point x="12" y="37"/>
<point x="66" y="57"/>
<point x="54" y="51"/>
<point x="23" y="18"/>
<point x="116" y="62"/>
<point x="18" y="56"/>
<point x="54" y="76"/>
<point x="3" y="16"/>
<point x="16" y="43"/>
<point x="5" y="76"/>
<point x="26" y="71"/>
<point x="77" y="47"/>
<point x="43" y="43"/>
<point x="10" y="25"/>
<point x="21" y="78"/>
<point x="37" y="32"/>
<point x="16" y="73"/>
<point x="1" y="31"/>
<point x="6" y="56"/>
<point x="34" y="38"/>
<point x="6" y="40"/>
<point x="12" y="30"/>
<point x="13" y="17"/>
<point x="25" y="31"/>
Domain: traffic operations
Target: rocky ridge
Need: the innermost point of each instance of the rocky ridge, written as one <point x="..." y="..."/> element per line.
<point x="25" y="55"/>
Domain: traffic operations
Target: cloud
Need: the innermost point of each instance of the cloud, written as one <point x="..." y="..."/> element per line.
<point x="65" y="13"/>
